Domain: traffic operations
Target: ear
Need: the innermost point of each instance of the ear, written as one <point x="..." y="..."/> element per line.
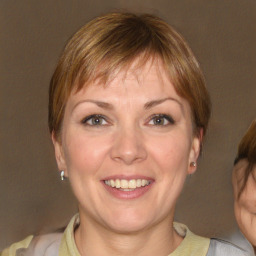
<point x="59" y="155"/>
<point x="195" y="151"/>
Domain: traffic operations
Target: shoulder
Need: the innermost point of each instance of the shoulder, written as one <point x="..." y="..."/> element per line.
<point x="219" y="247"/>
<point x="11" y="251"/>
<point x="43" y="245"/>
<point x="239" y="239"/>
<point x="51" y="244"/>
<point x="192" y="244"/>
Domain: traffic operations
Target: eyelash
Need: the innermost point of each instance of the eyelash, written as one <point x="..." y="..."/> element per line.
<point x="102" y="118"/>
<point x="167" y="118"/>
<point x="96" y="116"/>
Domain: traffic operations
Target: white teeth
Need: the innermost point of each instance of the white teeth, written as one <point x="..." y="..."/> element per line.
<point x="132" y="183"/>
<point x="118" y="184"/>
<point x="127" y="185"/>
<point x="124" y="184"/>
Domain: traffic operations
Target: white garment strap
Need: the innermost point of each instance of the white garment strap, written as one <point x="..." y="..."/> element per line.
<point x="220" y="247"/>
<point x="44" y="245"/>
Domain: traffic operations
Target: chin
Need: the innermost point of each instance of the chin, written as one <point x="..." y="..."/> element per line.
<point x="127" y="227"/>
<point x="129" y="222"/>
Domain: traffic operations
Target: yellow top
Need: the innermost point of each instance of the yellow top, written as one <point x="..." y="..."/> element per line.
<point x="191" y="245"/>
<point x="11" y="251"/>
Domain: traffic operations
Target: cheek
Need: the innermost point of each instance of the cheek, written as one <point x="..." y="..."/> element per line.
<point x="170" y="151"/>
<point x="169" y="157"/>
<point x="84" y="154"/>
<point x="248" y="200"/>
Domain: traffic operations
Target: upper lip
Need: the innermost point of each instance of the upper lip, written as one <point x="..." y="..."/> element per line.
<point x="128" y="177"/>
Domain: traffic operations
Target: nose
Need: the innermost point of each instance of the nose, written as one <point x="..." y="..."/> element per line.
<point x="128" y="147"/>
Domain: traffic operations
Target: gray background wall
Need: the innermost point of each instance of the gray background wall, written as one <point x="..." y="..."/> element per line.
<point x="222" y="33"/>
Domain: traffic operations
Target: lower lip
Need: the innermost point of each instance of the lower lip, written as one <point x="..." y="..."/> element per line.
<point x="120" y="194"/>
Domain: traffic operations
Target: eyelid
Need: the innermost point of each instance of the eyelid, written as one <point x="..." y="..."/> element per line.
<point x="161" y="115"/>
<point x="87" y="118"/>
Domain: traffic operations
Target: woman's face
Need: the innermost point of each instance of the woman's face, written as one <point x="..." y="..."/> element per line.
<point x="245" y="206"/>
<point x="126" y="148"/>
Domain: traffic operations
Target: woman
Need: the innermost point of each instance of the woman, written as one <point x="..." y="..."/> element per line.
<point x="128" y="110"/>
<point x="244" y="187"/>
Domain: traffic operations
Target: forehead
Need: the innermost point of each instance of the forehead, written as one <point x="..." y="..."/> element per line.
<point x="147" y="78"/>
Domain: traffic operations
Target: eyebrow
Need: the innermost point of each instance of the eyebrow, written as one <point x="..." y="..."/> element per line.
<point x="147" y="105"/>
<point x="154" y="103"/>
<point x="100" y="104"/>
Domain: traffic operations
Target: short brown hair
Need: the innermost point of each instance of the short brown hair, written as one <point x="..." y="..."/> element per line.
<point x="111" y="42"/>
<point x="247" y="150"/>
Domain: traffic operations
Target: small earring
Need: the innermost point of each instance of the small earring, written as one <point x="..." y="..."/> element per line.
<point x="193" y="164"/>
<point x="62" y="175"/>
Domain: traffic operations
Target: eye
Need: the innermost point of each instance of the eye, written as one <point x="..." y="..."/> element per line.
<point x="95" y="120"/>
<point x="161" y="120"/>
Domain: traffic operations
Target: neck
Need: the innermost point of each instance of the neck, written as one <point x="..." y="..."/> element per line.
<point x="160" y="239"/>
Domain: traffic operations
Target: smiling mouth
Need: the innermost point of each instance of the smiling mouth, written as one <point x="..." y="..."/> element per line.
<point x="127" y="185"/>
